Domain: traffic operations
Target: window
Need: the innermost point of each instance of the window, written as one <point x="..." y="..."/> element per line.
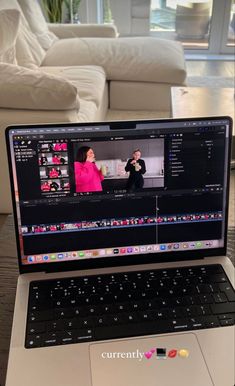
<point x="203" y="26"/>
<point x="186" y="21"/>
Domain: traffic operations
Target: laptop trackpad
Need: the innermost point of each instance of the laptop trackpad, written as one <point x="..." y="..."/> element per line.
<point x="167" y="360"/>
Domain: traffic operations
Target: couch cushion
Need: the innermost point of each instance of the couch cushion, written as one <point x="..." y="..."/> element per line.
<point x="9" y="24"/>
<point x="143" y="59"/>
<point x="29" y="53"/>
<point x="140" y="96"/>
<point x="27" y="89"/>
<point x="89" y="80"/>
<point x="37" y="22"/>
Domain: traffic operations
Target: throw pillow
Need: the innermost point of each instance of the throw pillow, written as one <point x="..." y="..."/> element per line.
<point x="29" y="52"/>
<point x="33" y="13"/>
<point x="9" y="24"/>
<point x="21" y="88"/>
<point x="9" y="4"/>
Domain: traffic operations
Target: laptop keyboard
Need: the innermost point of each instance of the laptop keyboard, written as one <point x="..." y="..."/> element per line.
<point x="119" y="305"/>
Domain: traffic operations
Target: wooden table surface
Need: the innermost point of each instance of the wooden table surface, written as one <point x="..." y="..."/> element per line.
<point x="202" y="102"/>
<point x="8" y="279"/>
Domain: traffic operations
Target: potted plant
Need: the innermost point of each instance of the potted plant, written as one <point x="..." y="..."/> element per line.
<point x="72" y="10"/>
<point x="54" y="10"/>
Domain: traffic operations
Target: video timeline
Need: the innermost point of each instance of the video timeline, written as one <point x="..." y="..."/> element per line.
<point x="119" y="223"/>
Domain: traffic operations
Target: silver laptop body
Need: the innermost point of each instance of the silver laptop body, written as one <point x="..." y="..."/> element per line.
<point x="153" y="201"/>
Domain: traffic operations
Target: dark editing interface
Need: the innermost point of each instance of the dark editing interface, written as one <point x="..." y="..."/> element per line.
<point x="92" y="191"/>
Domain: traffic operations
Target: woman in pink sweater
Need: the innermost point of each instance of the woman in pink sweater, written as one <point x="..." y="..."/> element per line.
<point x="87" y="176"/>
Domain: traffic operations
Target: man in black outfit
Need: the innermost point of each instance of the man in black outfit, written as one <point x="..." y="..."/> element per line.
<point x="136" y="167"/>
<point x="43" y="160"/>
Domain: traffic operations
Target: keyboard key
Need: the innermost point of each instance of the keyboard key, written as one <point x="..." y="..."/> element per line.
<point x="204" y="310"/>
<point x="190" y="311"/>
<point x="109" y="308"/>
<point x="116" y="319"/>
<point x="226" y="316"/>
<point x="55" y="325"/>
<point x="36" y="328"/>
<point x="43" y="305"/>
<point x="67" y="337"/>
<point x="130" y="317"/>
<point x="63" y="313"/>
<point x="180" y="324"/>
<point x="146" y="315"/>
<point x="176" y="312"/>
<point x="220" y="298"/>
<point x="79" y="311"/>
<point x="135" y="329"/>
<point x="214" y="287"/>
<point x="147" y="304"/>
<point x="206" y="299"/>
<point x="85" y="322"/>
<point x="161" y="314"/>
<point x="39" y="316"/>
<point x="70" y="324"/>
<point x="223" y="308"/>
<point x="212" y="269"/>
<point x="227" y="322"/>
<point x="93" y="310"/>
<point x="212" y="322"/>
<point x="83" y="335"/>
<point x="164" y="302"/>
<point x="33" y="341"/>
<point x="196" y="323"/>
<point x="203" y="288"/>
<point x="228" y="290"/>
<point x="50" y="339"/>
<point x="183" y="301"/>
<point x="102" y="320"/>
<point x="218" y="278"/>
<point x="58" y="294"/>
<point x="137" y="306"/>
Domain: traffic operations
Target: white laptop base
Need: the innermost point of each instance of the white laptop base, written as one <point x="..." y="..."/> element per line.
<point x="210" y="362"/>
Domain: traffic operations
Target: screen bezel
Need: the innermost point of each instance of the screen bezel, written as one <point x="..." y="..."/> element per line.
<point x="123" y="260"/>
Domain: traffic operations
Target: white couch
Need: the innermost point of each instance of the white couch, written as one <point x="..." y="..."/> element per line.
<point x="109" y="72"/>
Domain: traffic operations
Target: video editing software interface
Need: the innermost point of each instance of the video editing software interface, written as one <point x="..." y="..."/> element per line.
<point x="85" y="192"/>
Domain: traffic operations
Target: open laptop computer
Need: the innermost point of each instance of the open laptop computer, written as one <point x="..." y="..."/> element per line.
<point x="121" y="231"/>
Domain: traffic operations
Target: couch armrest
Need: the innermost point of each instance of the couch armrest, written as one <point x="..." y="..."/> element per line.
<point x="64" y="31"/>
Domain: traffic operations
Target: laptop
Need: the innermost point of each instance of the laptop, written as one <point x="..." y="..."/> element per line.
<point x="121" y="232"/>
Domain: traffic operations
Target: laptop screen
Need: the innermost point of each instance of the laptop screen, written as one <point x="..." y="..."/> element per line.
<point x="118" y="190"/>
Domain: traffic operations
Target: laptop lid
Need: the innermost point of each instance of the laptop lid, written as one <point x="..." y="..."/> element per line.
<point x="117" y="193"/>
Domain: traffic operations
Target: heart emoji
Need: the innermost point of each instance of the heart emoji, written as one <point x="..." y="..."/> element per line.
<point x="153" y="350"/>
<point x="148" y="354"/>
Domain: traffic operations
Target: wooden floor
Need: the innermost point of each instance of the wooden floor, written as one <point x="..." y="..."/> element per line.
<point x="210" y="68"/>
<point x="8" y="262"/>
